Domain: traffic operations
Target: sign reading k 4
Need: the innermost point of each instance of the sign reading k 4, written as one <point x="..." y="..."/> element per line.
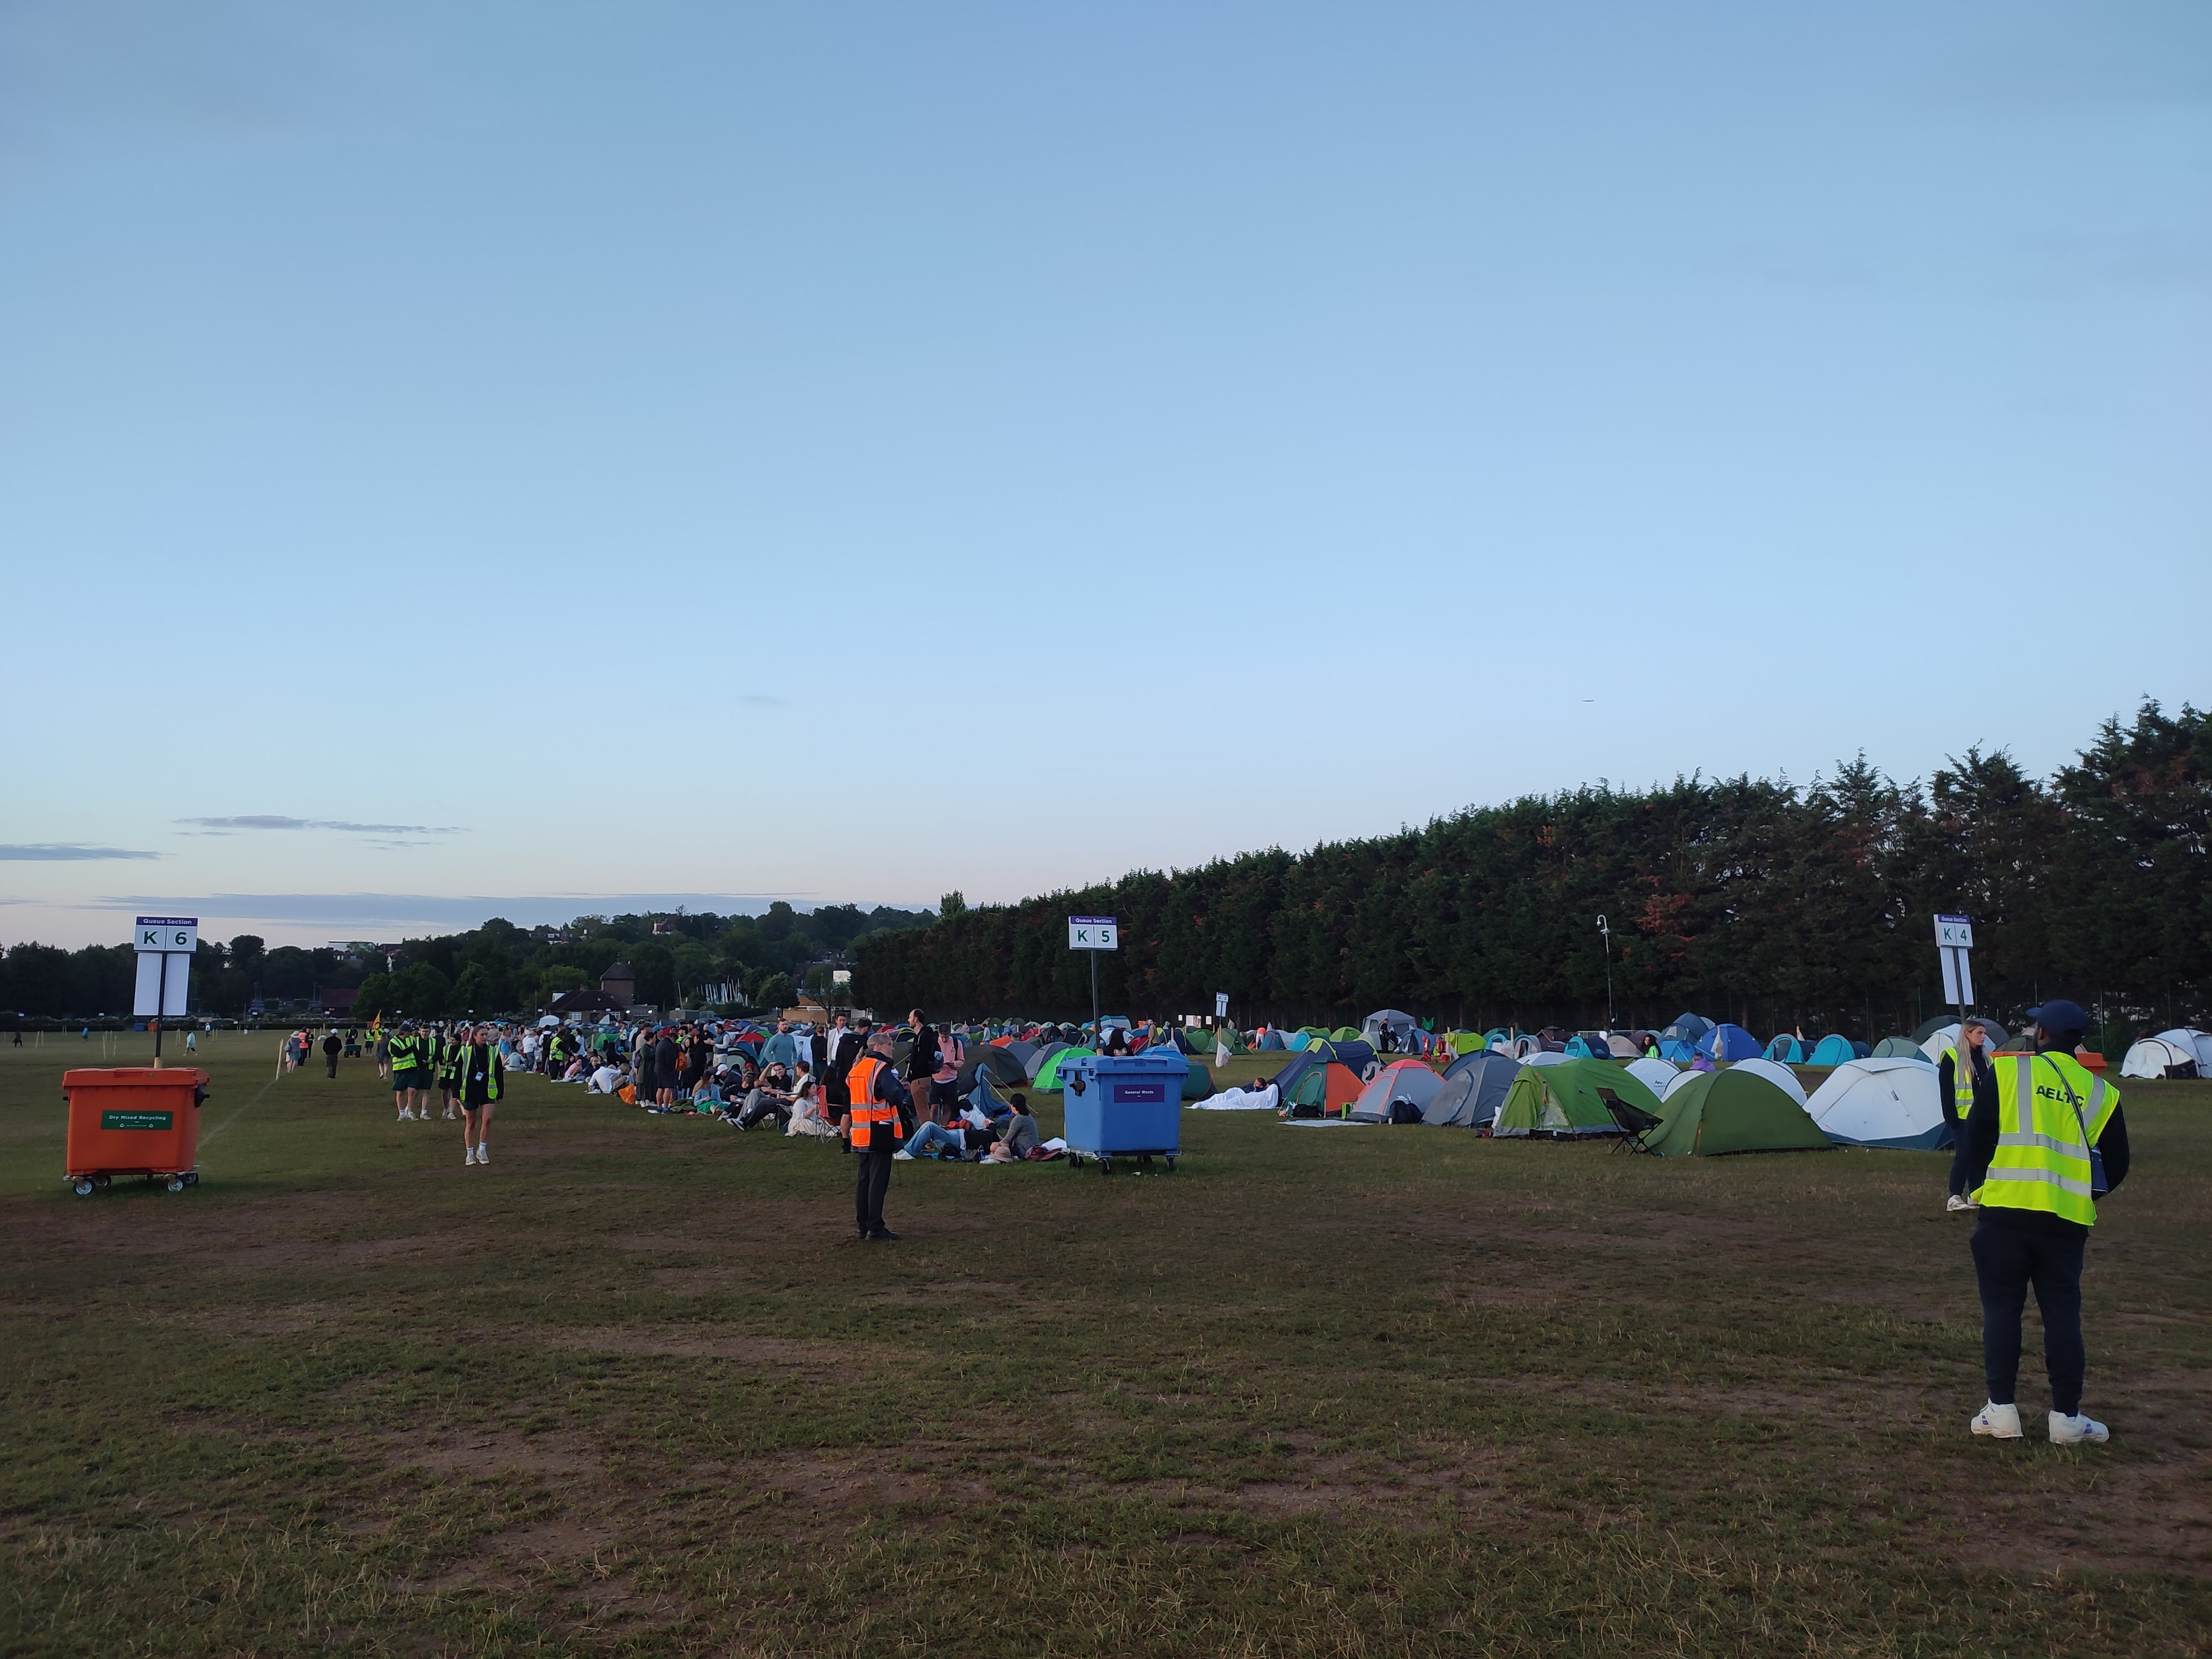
<point x="1093" y="933"/>
<point x="1954" y="933"/>
<point x="171" y="935"/>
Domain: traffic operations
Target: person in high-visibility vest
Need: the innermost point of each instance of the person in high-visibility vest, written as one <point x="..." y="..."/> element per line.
<point x="449" y="1070"/>
<point x="871" y="1122"/>
<point x="1956" y="1081"/>
<point x="406" y="1070"/>
<point x="479" y="1078"/>
<point x="2042" y="1131"/>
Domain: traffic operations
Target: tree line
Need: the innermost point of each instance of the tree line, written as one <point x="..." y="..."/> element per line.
<point x="496" y="967"/>
<point x="1743" y="899"/>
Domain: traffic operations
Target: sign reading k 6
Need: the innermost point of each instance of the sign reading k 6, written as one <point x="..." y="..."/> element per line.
<point x="1093" y="933"/>
<point x="171" y="935"/>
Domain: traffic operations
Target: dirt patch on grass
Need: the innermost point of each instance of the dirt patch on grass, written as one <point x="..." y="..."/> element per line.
<point x="475" y="1453"/>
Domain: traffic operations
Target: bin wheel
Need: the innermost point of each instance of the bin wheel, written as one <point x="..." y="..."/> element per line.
<point x="1144" y="1160"/>
<point x="83" y="1185"/>
<point x="192" y="1178"/>
<point x="101" y="1180"/>
<point x="1105" y="1166"/>
<point x="176" y="1183"/>
<point x="1171" y="1163"/>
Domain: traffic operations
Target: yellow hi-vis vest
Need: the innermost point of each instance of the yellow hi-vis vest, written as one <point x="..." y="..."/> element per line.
<point x="1962" y="1082"/>
<point x="2044" y="1103"/>
<point x="406" y="1051"/>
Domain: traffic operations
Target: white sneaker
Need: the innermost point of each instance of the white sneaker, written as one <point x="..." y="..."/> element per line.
<point x="2077" y="1431"/>
<point x="1955" y="1203"/>
<point x="483" y="1153"/>
<point x="468" y="1155"/>
<point x="407" y="1117"/>
<point x="901" y="1157"/>
<point x="1998" y="1422"/>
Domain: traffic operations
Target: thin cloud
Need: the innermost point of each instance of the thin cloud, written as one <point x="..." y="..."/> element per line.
<point x="270" y="821"/>
<point x="761" y="700"/>
<point x="66" y="852"/>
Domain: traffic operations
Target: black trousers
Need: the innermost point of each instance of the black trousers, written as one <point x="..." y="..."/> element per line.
<point x="2009" y="1257"/>
<point x="334" y="1065"/>
<point x="875" y="1179"/>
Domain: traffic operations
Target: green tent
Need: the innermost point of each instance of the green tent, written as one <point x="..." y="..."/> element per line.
<point x="1316" y="1031"/>
<point x="1198" y="1083"/>
<point x="1465" y="1042"/>
<point x="1564" y="1099"/>
<point x="1047" y="1076"/>
<point x="1344" y="1034"/>
<point x="1733" y="1111"/>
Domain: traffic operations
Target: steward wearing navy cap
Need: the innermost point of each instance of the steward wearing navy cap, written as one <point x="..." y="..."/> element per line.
<point x="2043" y="1140"/>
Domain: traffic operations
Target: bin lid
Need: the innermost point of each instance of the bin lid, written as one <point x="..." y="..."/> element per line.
<point x="135" y="1077"/>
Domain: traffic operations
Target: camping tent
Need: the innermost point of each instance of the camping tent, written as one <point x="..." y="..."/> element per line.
<point x="1780" y="1076"/>
<point x="1472" y="1091"/>
<point x="1832" y="1050"/>
<point x="1271" y="1038"/>
<point x="1048" y="1075"/>
<point x="1735" y="1110"/>
<point x="1042" y="1057"/>
<point x="2160" y="1056"/>
<point x="1563" y="1100"/>
<point x="1653" y="1074"/>
<point x="1729" y="1043"/>
<point x="1898" y="1048"/>
<point x="1947" y="1034"/>
<point x="1895" y="1103"/>
<point x="1020" y="1050"/>
<point x="2198" y="1042"/>
<point x="1198" y="1079"/>
<point x="1676" y="1050"/>
<point x="1002" y="1066"/>
<point x="1687" y="1028"/>
<point x="1786" y="1050"/>
<point x="1581" y="1048"/>
<point x="1401" y="1027"/>
<point x="1623" y="1047"/>
<point x="1315" y="1078"/>
<point x="1405" y="1080"/>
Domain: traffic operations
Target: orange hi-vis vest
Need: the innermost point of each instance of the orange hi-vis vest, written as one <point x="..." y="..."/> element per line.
<point x="868" y="1110"/>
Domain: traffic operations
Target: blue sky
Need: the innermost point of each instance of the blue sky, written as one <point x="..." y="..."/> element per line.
<point x="554" y="454"/>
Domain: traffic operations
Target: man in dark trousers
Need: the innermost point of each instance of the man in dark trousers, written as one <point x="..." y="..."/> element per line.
<point x="873" y="1123"/>
<point x="2043" y="1129"/>
<point x="332" y="1046"/>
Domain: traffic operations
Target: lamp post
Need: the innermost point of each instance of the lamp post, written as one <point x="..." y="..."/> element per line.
<point x="1607" y="933"/>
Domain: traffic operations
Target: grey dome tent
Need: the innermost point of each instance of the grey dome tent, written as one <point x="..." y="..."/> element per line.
<point x="1474" y="1085"/>
<point x="1042" y="1057"/>
<point x="1401" y="1025"/>
<point x="1002" y="1068"/>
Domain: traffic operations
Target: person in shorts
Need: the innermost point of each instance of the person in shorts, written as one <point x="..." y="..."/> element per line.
<point x="406" y="1054"/>
<point x="480" y="1075"/>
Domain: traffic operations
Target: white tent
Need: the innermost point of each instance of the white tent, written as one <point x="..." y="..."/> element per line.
<point x="1408" y="1079"/>
<point x="2161" y="1056"/>
<point x="1544" y="1057"/>
<point x="2199" y="1041"/>
<point x="1775" y="1073"/>
<point x="1893" y="1103"/>
<point x="1656" y="1075"/>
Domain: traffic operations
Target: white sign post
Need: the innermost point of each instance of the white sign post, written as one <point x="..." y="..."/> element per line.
<point x="1954" y="940"/>
<point x="1094" y="934"/>
<point x="1221" y="1004"/>
<point x="162" y="990"/>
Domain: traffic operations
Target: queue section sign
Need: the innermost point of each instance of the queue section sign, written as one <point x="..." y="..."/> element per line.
<point x="165" y="946"/>
<point x="1954" y="944"/>
<point x="1093" y="933"/>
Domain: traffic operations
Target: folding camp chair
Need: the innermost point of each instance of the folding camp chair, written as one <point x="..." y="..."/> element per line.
<point x="1635" y="1122"/>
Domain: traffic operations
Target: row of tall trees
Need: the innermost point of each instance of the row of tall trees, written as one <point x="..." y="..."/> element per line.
<point x="1744" y="899"/>
<point x="496" y="968"/>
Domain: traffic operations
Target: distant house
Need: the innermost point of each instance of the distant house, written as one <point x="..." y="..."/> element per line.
<point x="620" y="983"/>
<point x="584" y="1002"/>
<point x="336" y="1000"/>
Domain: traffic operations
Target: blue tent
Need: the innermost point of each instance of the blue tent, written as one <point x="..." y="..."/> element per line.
<point x="1786" y="1050"/>
<point x="1832" y="1051"/>
<point x="1729" y="1043"/>
<point x="1680" y="1052"/>
<point x="1687" y="1028"/>
<point x="1272" y="1040"/>
<point x="1580" y="1047"/>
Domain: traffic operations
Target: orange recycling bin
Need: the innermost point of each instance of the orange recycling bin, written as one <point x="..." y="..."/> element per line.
<point x="134" y="1120"/>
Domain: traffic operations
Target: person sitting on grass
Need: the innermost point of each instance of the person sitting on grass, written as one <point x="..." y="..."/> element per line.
<point x="770" y="1097"/>
<point x="607" y="1080"/>
<point x="807" y="1117"/>
<point x="1017" y="1135"/>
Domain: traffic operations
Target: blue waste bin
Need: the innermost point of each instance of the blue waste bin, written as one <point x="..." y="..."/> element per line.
<point x="1123" y="1105"/>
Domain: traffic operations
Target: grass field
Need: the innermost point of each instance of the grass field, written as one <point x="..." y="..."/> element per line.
<point x="631" y="1391"/>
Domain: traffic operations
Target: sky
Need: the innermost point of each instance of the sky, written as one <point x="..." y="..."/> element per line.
<point x="545" y="459"/>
